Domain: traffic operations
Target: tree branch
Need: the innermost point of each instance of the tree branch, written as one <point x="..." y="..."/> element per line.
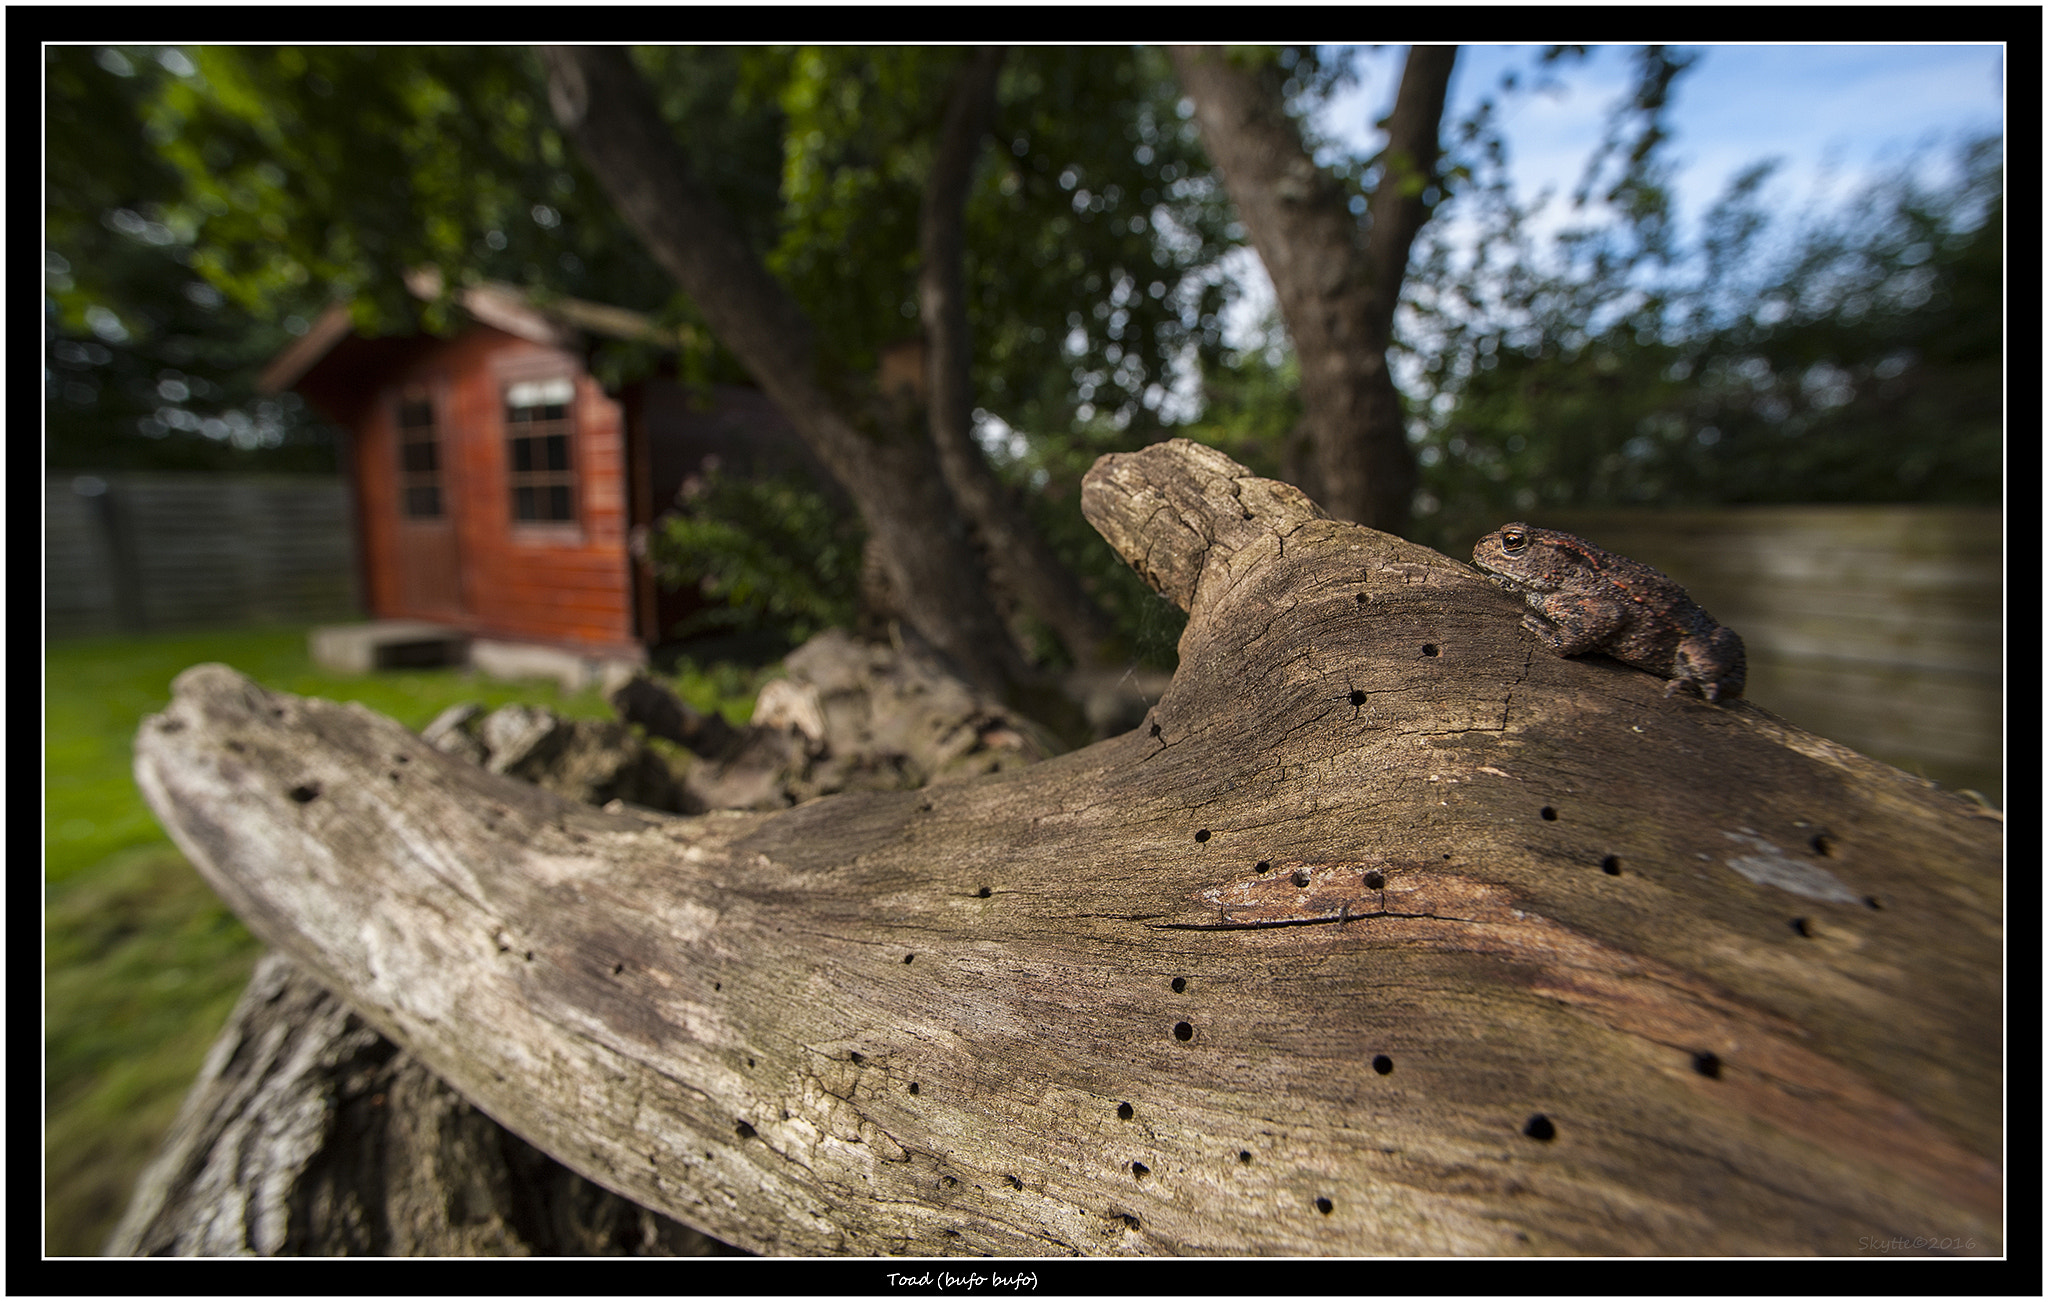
<point x="609" y="115"/>
<point x="1399" y="207"/>
<point x="604" y="106"/>
<point x="1015" y="548"/>
<point x="1337" y="285"/>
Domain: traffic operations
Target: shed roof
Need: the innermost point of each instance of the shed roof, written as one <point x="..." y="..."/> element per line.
<point x="546" y="319"/>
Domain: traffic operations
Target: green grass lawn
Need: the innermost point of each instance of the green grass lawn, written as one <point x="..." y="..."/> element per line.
<point x="141" y="963"/>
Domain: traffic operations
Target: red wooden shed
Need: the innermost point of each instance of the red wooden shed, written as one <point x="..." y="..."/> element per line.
<point x="498" y="487"/>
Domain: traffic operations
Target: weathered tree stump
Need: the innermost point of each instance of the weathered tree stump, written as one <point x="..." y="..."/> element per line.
<point x="1387" y="933"/>
<point x="309" y="1134"/>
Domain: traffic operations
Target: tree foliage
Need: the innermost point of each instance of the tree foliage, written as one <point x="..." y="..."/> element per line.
<point x="146" y="365"/>
<point x="302" y="173"/>
<point x="1851" y="356"/>
<point x="205" y="202"/>
<point x="770" y="554"/>
<point x="293" y="175"/>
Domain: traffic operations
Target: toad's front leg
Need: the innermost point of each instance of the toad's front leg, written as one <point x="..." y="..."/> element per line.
<point x="1573" y="625"/>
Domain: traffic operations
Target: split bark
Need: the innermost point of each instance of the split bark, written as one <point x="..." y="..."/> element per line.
<point x="1337" y="282"/>
<point x="1387" y="933"/>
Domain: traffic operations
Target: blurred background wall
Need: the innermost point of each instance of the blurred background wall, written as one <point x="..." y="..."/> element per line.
<point x="1880" y="627"/>
<point x="136" y="553"/>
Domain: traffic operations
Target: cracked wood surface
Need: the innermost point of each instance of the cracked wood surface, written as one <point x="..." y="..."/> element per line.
<point x="1387" y="932"/>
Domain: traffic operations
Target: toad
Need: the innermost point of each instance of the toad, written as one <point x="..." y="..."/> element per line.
<point x="1582" y="599"/>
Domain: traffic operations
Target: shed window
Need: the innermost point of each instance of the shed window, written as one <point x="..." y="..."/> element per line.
<point x="419" y="457"/>
<point x="540" y="434"/>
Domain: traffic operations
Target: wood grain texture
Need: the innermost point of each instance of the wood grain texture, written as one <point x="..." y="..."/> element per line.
<point x="1386" y="933"/>
<point x="253" y="1166"/>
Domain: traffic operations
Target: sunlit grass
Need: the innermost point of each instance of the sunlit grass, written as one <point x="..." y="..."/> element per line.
<point x="142" y="963"/>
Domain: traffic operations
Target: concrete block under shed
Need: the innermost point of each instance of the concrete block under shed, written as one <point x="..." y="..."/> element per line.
<point x="387" y="644"/>
<point x="517" y="660"/>
<point x="419" y="644"/>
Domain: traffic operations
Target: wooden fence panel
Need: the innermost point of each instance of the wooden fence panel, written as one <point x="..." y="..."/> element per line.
<point x="147" y="553"/>
<point x="1881" y="627"/>
<point x="78" y="561"/>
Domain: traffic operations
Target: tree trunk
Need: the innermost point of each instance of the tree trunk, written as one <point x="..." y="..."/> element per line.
<point x="887" y="467"/>
<point x="1337" y="285"/>
<point x="309" y="1134"/>
<point x="1016" y="551"/>
<point x="1388" y="933"/>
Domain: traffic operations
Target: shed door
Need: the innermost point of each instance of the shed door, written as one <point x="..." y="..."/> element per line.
<point x="429" y="567"/>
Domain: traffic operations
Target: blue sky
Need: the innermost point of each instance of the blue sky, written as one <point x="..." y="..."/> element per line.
<point x="1838" y="115"/>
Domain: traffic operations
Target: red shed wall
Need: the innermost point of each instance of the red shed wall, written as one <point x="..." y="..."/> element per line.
<point x="562" y="583"/>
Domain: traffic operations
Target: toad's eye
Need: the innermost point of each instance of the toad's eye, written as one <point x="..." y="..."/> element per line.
<point x="1513" y="540"/>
